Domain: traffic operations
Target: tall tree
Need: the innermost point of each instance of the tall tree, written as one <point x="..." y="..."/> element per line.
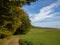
<point x="10" y="16"/>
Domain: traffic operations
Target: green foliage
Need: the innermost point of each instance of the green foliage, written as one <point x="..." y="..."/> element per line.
<point x="24" y="42"/>
<point x="9" y="23"/>
<point x="21" y="2"/>
<point x="13" y="17"/>
<point x="25" y="26"/>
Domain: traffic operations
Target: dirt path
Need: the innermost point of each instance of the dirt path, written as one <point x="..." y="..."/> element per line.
<point x="12" y="41"/>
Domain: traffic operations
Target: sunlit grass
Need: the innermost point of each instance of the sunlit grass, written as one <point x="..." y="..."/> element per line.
<point x="38" y="36"/>
<point x="42" y="36"/>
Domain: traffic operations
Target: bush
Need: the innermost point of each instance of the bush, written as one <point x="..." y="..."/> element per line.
<point x="24" y="42"/>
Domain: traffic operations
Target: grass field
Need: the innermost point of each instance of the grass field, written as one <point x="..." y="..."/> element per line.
<point x="37" y="36"/>
<point x="42" y="36"/>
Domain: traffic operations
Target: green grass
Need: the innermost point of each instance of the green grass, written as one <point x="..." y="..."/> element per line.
<point x="41" y="36"/>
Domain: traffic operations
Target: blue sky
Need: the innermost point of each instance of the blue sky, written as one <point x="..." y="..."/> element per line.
<point x="44" y="13"/>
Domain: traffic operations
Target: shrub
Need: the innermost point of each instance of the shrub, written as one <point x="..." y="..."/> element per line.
<point x="24" y="42"/>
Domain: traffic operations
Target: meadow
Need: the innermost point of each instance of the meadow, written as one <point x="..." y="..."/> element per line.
<point x="42" y="36"/>
<point x="36" y="36"/>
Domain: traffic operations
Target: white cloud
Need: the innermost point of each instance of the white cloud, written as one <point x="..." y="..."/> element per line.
<point x="45" y="12"/>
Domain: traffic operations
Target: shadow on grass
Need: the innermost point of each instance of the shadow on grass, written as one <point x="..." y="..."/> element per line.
<point x="24" y="42"/>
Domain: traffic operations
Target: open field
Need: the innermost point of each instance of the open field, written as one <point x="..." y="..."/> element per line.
<point x="42" y="36"/>
<point x="37" y="36"/>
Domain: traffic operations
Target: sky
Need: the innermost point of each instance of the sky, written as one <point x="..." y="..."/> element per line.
<point x="44" y="13"/>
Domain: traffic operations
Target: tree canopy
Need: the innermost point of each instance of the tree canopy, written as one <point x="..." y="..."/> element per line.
<point x="13" y="18"/>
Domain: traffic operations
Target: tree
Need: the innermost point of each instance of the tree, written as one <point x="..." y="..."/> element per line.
<point x="25" y="26"/>
<point x="12" y="16"/>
